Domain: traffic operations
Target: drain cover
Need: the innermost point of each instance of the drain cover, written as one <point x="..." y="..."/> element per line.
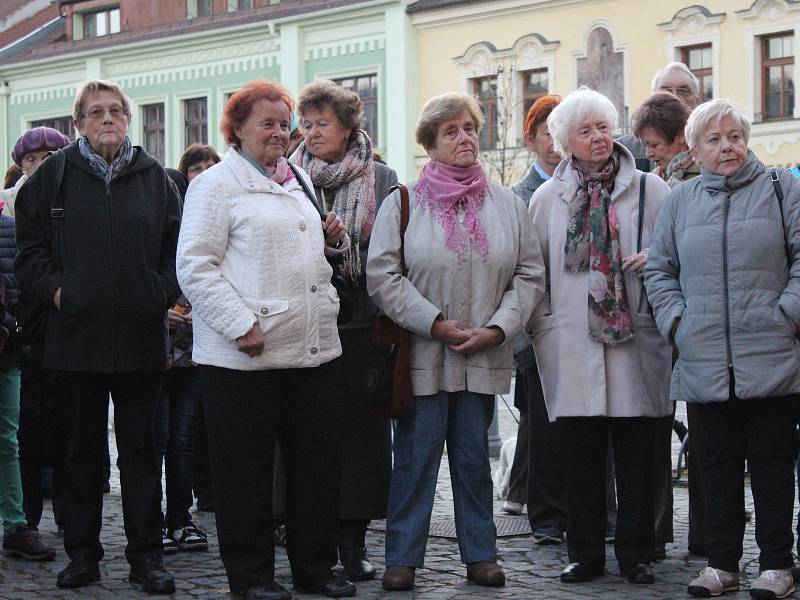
<point x="446" y="528"/>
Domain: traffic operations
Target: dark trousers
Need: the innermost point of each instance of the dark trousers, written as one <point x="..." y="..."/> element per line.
<point x="84" y="415"/>
<point x="201" y="469"/>
<point x="761" y="431"/>
<point x="585" y="444"/>
<point x="180" y="400"/>
<point x="662" y="478"/>
<point x="244" y="411"/>
<point x="694" y="464"/>
<point x="39" y="439"/>
<point x="518" y="480"/>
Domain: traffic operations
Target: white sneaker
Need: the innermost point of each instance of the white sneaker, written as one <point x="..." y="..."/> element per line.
<point x="773" y="583"/>
<point x="512" y="508"/>
<point x="713" y="582"/>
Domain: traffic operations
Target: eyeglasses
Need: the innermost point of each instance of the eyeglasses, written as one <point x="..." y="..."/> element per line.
<point x="678" y="91"/>
<point x="116" y="113"/>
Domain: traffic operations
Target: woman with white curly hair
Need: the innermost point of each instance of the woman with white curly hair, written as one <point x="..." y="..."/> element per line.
<point x="603" y="365"/>
<point x="724" y="279"/>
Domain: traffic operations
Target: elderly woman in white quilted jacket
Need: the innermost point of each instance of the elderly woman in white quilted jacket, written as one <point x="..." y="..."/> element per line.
<point x="251" y="260"/>
<point x="723" y="277"/>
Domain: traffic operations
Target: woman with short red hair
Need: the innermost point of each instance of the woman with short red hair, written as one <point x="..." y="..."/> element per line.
<point x="251" y="260"/>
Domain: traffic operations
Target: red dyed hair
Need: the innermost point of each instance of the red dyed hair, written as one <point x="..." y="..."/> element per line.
<point x="538" y="113"/>
<point x="238" y="106"/>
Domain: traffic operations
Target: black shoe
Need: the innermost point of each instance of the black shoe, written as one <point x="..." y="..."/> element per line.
<point x="149" y="575"/>
<point x="641" y="574"/>
<point x="579" y="572"/>
<point x="80" y="572"/>
<point x="269" y="591"/>
<point x="23" y="541"/>
<point x="335" y="587"/>
<point x="355" y="563"/>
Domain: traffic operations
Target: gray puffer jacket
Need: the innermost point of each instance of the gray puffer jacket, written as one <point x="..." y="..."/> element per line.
<point x="718" y="263"/>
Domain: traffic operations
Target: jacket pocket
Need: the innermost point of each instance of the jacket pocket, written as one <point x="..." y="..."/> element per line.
<point x="655" y="366"/>
<point x="267" y="310"/>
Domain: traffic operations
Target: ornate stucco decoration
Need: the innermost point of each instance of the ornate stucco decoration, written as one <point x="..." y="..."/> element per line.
<point x="769" y="10"/>
<point x="691" y="20"/>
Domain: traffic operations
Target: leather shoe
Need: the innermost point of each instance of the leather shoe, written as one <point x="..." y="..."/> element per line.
<point x="355" y="563"/>
<point x="487" y="573"/>
<point x="149" y="575"/>
<point x="398" y="579"/>
<point x="336" y="587"/>
<point x="641" y="574"/>
<point x="269" y="591"/>
<point x="579" y="572"/>
<point x="80" y="572"/>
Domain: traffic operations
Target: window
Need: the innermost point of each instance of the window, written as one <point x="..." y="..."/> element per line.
<point x="153" y="119"/>
<point x="199" y="8"/>
<point x="234" y="5"/>
<point x="485" y="90"/>
<point x="698" y="59"/>
<point x="203" y="8"/>
<point x="366" y="86"/>
<point x="62" y="124"/>
<point x="534" y="86"/>
<point x="100" y="23"/>
<point x="777" y="85"/>
<point x="196" y="121"/>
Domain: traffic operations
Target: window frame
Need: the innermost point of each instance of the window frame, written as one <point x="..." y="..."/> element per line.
<point x="702" y="74"/>
<point x="489" y="134"/>
<point x="149" y="129"/>
<point x="370" y="103"/>
<point x="62" y="124"/>
<point x="92" y="16"/>
<point x="194" y="122"/>
<point x="785" y="63"/>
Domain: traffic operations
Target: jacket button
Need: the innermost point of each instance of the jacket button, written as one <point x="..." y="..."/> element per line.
<point x="314" y="350"/>
<point x="313" y="288"/>
<point x="264" y="311"/>
<point x="302" y="226"/>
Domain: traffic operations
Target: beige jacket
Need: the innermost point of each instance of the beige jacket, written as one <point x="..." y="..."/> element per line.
<point x="581" y="377"/>
<point x="501" y="291"/>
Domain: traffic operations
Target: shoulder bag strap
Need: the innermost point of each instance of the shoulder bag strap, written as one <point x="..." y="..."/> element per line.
<point x="308" y="191"/>
<point x="776" y="179"/>
<point x="404" y="215"/>
<point x="642" y="185"/>
<point x="56" y="202"/>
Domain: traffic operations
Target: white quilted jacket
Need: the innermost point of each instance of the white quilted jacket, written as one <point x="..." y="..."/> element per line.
<point x="252" y="251"/>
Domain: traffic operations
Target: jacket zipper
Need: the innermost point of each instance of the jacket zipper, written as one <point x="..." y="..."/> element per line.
<point x="725" y="279"/>
<point x="113" y="279"/>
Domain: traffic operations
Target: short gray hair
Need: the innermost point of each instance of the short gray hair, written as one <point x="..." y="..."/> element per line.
<point x="714" y="111"/>
<point x="441" y="108"/>
<point x="677" y="66"/>
<point x="575" y="108"/>
<point x="92" y="87"/>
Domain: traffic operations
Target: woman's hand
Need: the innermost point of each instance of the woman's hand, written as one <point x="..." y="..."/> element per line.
<point x="449" y="332"/>
<point x="635" y="262"/>
<point x="252" y="342"/>
<point x="480" y="339"/>
<point x="334" y="229"/>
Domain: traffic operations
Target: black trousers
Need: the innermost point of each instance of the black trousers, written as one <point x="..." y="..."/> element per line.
<point x="585" y="444"/>
<point x="761" y="431"/>
<point x="84" y="415"/>
<point x="694" y="464"/>
<point x="244" y="411"/>
<point x="662" y="478"/>
<point x="518" y="480"/>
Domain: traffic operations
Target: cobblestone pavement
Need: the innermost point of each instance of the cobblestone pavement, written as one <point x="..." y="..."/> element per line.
<point x="532" y="570"/>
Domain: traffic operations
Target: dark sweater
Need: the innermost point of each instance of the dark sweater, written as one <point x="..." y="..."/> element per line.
<point x="114" y="263"/>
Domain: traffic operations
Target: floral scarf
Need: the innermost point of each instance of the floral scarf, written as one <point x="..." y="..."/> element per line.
<point x="677" y="169"/>
<point x="593" y="245"/>
<point x="444" y="190"/>
<point x="353" y="179"/>
<point x="106" y="171"/>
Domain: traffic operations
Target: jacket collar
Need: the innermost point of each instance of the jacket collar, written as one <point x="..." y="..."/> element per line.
<point x="253" y="181"/>
<point x="565" y="177"/>
<point x="141" y="160"/>
<point x="748" y="172"/>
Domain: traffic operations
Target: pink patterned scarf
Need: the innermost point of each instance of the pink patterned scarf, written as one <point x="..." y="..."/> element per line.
<point x="444" y="190"/>
<point x="282" y="172"/>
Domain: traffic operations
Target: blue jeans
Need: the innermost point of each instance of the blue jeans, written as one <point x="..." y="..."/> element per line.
<point x="10" y="484"/>
<point x="462" y="419"/>
<point x="175" y="438"/>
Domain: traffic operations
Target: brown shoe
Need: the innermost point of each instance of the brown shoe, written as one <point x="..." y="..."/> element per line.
<point x="487" y="573"/>
<point x="398" y="579"/>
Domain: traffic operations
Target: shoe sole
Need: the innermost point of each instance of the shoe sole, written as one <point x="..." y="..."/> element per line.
<point x="170" y="549"/>
<point x="193" y="547"/>
<point x="170" y="589"/>
<point x="31" y="557"/>
<point x="93" y="578"/>
<point x="698" y="591"/>
<point x="761" y="594"/>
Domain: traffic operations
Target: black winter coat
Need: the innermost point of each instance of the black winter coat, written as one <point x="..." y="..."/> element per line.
<point x="115" y="263"/>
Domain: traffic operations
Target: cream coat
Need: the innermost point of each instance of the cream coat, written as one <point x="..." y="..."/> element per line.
<point x="582" y="377"/>
<point x="500" y="291"/>
<point x="252" y="251"/>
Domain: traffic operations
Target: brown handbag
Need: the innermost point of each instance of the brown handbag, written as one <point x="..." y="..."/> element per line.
<point x="388" y="372"/>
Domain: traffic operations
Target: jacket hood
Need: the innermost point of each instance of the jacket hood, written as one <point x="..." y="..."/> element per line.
<point x="565" y="177"/>
<point x="749" y="171"/>
<point x="141" y="159"/>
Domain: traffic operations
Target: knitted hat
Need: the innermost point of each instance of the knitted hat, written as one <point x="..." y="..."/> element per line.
<point x="38" y="138"/>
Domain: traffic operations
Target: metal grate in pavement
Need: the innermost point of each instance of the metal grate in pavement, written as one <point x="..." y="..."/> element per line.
<point x="446" y="528"/>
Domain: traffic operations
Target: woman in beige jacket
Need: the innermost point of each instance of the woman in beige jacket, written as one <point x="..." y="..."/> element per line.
<point x="603" y="365"/>
<point x="474" y="276"/>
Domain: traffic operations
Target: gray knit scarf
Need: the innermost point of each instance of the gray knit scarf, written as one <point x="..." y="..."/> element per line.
<point x="106" y="171"/>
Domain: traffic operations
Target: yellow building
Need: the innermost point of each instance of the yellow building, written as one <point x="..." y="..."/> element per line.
<point x="511" y="51"/>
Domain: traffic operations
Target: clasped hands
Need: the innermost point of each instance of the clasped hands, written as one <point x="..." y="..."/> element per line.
<point x="466" y="340"/>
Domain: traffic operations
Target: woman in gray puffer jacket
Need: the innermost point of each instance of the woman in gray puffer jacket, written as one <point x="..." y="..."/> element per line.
<point x="723" y="277"/>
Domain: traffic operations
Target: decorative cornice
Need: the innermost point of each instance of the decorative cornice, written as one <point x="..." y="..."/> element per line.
<point x="44" y="94"/>
<point x="769" y="10"/>
<point x="527" y="48"/>
<point x="692" y="19"/>
<point x="347" y="47"/>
